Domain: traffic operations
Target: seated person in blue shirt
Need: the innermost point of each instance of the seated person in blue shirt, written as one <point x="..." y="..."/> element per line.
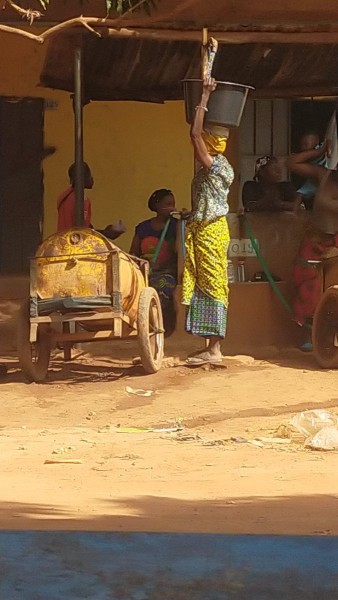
<point x="311" y="141"/>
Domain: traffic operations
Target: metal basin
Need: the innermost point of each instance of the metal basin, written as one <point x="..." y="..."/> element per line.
<point x="225" y="106"/>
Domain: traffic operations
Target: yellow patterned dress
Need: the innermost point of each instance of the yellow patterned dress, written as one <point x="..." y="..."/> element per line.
<point x="205" y="281"/>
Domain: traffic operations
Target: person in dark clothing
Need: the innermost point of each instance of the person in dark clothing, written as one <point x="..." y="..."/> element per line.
<point x="161" y="253"/>
<point x="267" y="192"/>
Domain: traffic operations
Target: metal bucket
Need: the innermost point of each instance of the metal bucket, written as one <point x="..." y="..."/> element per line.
<point x="225" y="106"/>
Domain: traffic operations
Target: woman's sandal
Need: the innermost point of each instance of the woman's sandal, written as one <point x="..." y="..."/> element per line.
<point x="199" y="361"/>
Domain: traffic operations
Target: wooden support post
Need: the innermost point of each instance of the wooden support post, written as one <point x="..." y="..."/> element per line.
<point x="67" y="346"/>
<point x="78" y="131"/>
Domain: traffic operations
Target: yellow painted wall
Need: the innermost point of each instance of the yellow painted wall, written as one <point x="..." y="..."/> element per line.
<point x="132" y="148"/>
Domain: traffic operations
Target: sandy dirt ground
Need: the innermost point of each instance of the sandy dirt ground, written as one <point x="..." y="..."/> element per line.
<point x="193" y="480"/>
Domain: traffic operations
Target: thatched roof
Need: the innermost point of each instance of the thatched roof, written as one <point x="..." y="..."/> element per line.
<point x="283" y="48"/>
<point x="132" y="69"/>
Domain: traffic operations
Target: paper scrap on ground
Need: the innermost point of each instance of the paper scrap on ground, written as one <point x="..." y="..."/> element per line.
<point x="171" y="429"/>
<point x="59" y="461"/>
<point x="135" y="392"/>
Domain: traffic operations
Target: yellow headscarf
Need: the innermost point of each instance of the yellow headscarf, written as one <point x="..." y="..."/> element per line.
<point x="216" y="144"/>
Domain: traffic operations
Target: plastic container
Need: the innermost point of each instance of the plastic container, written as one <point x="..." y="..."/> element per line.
<point x="231" y="272"/>
<point x="241" y="271"/>
<point x="225" y="106"/>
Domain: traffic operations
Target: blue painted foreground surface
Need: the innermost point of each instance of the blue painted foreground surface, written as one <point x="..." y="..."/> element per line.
<point x="115" y="566"/>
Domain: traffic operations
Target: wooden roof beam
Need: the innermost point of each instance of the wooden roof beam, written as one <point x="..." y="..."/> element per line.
<point x="108" y="27"/>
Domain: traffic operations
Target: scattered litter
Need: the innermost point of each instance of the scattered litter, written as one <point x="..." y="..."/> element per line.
<point x="256" y="443"/>
<point x="104" y="429"/>
<point x="171" y="429"/>
<point x="98" y="469"/>
<point x="283" y="431"/>
<point x="132" y="430"/>
<point x="310" y="422"/>
<point x="64" y="450"/>
<point x="135" y="392"/>
<point x="214" y="442"/>
<point x="129" y="456"/>
<point x="188" y="437"/>
<point x="274" y="440"/>
<point x="59" y="461"/>
<point x="325" y="439"/>
<point x="90" y="415"/>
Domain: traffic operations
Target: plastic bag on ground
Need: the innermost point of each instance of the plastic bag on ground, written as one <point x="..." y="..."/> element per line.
<point x="325" y="439"/>
<point x="310" y="422"/>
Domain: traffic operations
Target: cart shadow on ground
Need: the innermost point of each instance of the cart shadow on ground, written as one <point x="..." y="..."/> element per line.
<point x="75" y="372"/>
<point x="95" y="363"/>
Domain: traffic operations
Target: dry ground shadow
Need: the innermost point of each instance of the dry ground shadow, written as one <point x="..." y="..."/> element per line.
<point x="293" y="515"/>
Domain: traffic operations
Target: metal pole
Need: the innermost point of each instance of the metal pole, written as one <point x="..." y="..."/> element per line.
<point x="78" y="142"/>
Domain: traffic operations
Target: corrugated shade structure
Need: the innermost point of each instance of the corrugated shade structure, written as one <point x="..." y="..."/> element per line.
<point x="147" y="70"/>
<point x="262" y="44"/>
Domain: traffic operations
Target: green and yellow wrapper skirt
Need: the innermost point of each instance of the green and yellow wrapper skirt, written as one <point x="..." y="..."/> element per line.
<point x="205" y="278"/>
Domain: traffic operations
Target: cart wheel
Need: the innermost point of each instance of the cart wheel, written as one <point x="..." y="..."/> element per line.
<point x="150" y="330"/>
<point x="325" y="329"/>
<point x="33" y="358"/>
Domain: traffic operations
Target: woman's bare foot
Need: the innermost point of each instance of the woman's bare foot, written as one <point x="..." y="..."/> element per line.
<point x="196" y="352"/>
<point x="211" y="354"/>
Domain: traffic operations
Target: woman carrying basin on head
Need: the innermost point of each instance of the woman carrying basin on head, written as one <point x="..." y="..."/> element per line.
<point x="205" y="282"/>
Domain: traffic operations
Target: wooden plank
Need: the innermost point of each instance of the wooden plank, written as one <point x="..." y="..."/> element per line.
<point x="263" y="127"/>
<point x="281" y="127"/>
<point x="226" y="37"/>
<point x="84" y="336"/>
<point x="58" y="318"/>
<point x="87" y="336"/>
<point x="246" y="130"/>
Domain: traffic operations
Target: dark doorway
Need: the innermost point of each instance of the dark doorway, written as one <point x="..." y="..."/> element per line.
<point x="21" y="181"/>
<point x="309" y="115"/>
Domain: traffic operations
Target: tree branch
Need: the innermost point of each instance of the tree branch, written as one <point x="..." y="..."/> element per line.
<point x="113" y="27"/>
<point x="22" y="32"/>
<point x="26" y="13"/>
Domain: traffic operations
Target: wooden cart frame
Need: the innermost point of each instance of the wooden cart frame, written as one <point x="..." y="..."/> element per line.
<point x="61" y="321"/>
<point x="325" y="322"/>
